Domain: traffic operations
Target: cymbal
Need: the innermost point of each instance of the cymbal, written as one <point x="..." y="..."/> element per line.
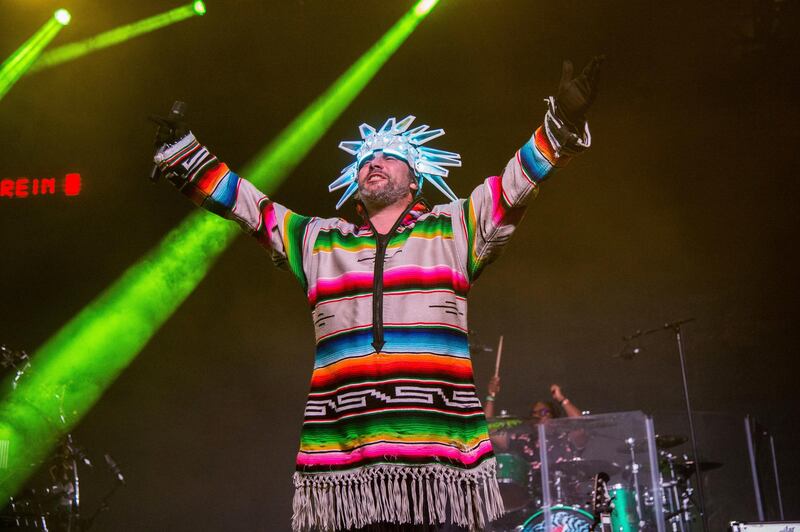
<point x="687" y="468"/>
<point x="507" y="422"/>
<point x="668" y="441"/>
<point x="569" y="424"/>
<point x="586" y="468"/>
<point x="663" y="441"/>
<point x="504" y="414"/>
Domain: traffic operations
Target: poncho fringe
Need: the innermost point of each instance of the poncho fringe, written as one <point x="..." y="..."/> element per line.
<point x="396" y="494"/>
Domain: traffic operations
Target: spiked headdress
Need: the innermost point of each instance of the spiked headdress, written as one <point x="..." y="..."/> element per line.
<point x="394" y="138"/>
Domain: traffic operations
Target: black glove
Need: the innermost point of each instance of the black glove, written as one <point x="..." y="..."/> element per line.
<point x="170" y="129"/>
<point x="575" y="96"/>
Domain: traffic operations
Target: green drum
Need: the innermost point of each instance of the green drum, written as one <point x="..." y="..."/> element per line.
<point x="562" y="519"/>
<point x="512" y="476"/>
<point x="623" y="516"/>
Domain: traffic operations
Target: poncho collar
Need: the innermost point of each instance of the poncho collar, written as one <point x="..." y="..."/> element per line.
<point x="418" y="208"/>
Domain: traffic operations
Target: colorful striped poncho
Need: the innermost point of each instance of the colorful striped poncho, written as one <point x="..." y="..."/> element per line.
<point x="393" y="428"/>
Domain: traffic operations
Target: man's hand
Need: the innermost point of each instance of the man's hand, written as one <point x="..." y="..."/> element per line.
<point x="575" y="96"/>
<point x="555" y="390"/>
<point x="494" y="386"/>
<point x="171" y="127"/>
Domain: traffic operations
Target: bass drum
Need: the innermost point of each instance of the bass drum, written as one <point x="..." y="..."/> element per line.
<point x="562" y="519"/>
<point x="512" y="477"/>
<point x="623" y="516"/>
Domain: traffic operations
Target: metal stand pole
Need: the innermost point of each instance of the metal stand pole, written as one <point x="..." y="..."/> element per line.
<point x="749" y="430"/>
<point x="777" y="478"/>
<point x="701" y="498"/>
<point x="71" y="463"/>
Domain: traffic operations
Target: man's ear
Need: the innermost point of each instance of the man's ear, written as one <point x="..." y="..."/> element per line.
<point x="414" y="181"/>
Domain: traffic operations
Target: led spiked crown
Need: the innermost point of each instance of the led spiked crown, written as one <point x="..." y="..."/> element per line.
<point x="396" y="139"/>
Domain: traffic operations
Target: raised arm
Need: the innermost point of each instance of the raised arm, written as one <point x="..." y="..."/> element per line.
<point x="570" y="409"/>
<point x="493" y="210"/>
<point x="493" y="388"/>
<point x="210" y="184"/>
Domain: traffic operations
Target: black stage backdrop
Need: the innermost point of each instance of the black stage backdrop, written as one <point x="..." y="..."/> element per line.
<point x="686" y="206"/>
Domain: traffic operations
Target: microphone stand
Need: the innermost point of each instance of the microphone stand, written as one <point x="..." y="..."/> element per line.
<point x="675" y="327"/>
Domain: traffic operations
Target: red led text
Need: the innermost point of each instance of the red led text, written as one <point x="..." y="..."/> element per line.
<point x="26" y="187"/>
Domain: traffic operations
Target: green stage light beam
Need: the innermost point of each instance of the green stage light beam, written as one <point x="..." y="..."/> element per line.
<point x="73" y="368"/>
<point x="71" y="51"/>
<point x="21" y="60"/>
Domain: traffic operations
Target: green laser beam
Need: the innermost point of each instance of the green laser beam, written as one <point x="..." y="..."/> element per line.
<point x="71" y="51"/>
<point x="295" y="141"/>
<point x="74" y="367"/>
<point x="21" y="60"/>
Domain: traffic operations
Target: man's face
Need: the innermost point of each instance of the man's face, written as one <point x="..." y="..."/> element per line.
<point x="541" y="411"/>
<point x="385" y="179"/>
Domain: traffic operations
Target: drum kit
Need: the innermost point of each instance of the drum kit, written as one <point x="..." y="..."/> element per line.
<point x="52" y="500"/>
<point x="568" y="505"/>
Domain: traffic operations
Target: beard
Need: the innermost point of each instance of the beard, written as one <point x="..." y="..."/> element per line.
<point x="386" y="195"/>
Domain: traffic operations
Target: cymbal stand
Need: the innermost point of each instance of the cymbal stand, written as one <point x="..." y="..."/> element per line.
<point x="675" y="327"/>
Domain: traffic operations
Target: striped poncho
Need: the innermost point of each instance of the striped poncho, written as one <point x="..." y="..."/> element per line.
<point x="393" y="430"/>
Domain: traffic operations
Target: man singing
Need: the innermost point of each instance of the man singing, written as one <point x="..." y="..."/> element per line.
<point x="394" y="436"/>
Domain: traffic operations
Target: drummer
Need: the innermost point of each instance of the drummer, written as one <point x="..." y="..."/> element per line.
<point x="541" y="411"/>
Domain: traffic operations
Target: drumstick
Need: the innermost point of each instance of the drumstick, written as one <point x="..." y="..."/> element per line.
<point x="499" y="354"/>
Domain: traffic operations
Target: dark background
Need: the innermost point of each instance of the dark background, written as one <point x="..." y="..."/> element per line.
<point x="686" y="206"/>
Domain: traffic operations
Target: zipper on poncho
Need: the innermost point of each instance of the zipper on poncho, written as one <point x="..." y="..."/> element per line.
<point x="381" y="242"/>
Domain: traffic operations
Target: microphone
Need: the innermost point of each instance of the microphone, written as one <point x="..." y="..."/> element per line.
<point x="114" y="467"/>
<point x="169" y="128"/>
<point x="628" y="352"/>
<point x="80" y="455"/>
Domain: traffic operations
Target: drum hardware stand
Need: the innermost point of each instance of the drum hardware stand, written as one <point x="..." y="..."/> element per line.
<point x="66" y="481"/>
<point x="687" y="503"/>
<point x="631" y="443"/>
<point x="64" y="492"/>
<point x="557" y="484"/>
<point x="17" y="360"/>
<point x="675" y="327"/>
<point x="682" y="515"/>
<point x="24" y="520"/>
<point x="104" y="502"/>
<point x="677" y="514"/>
<point x="66" y="470"/>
